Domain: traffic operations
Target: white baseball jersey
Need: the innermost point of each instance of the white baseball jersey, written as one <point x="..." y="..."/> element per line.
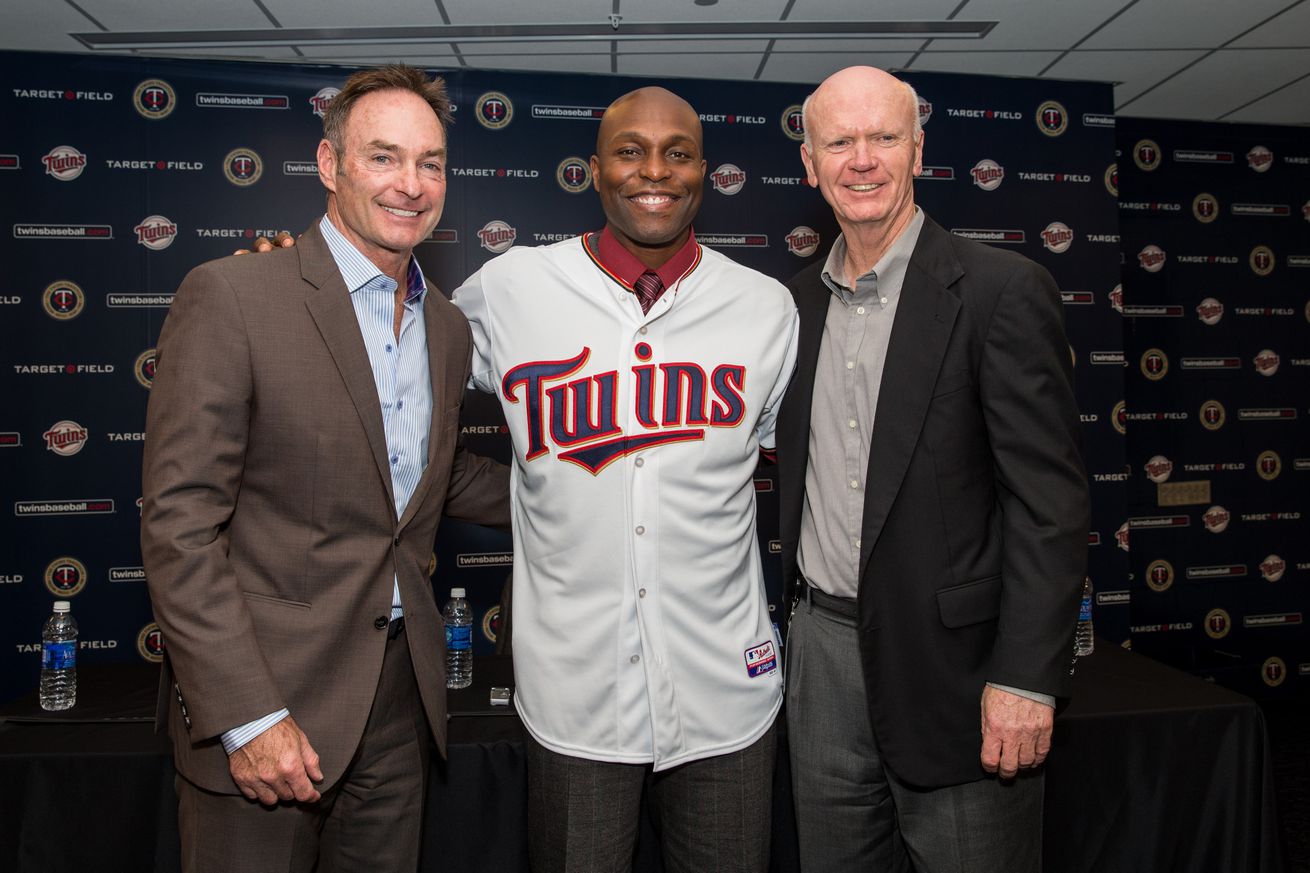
<point x="641" y="628"/>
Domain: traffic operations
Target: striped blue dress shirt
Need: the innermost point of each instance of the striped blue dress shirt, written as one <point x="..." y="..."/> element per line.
<point x="400" y="373"/>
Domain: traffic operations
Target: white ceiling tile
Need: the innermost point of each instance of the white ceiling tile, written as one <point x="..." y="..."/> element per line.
<point x="1288" y="106"/>
<point x="737" y="59"/>
<point x="1132" y="71"/>
<point x="1182" y="23"/>
<point x="1020" y="26"/>
<point x="44" y="27"/>
<point x="548" y="63"/>
<point x="985" y="63"/>
<point x="133" y="15"/>
<point x="1219" y="83"/>
<point x="814" y="68"/>
<point x="685" y="10"/>
<point x="1292" y="28"/>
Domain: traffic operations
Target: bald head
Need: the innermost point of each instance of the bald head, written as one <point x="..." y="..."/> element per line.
<point x="645" y="103"/>
<point x="869" y="84"/>
<point x="863" y="147"/>
<point x="649" y="169"/>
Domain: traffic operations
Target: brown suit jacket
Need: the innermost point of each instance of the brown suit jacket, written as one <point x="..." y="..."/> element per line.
<point x="268" y="527"/>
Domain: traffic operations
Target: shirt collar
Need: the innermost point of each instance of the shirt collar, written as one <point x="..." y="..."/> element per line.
<point x="357" y="270"/>
<point x="623" y="265"/>
<point x="890" y="270"/>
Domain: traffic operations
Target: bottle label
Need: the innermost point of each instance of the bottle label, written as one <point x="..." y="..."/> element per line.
<point x="459" y="638"/>
<point x="58" y="656"/>
<point x="1085" y="609"/>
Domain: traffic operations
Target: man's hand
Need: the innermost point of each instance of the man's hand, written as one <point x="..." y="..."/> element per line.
<point x="277" y="765"/>
<point x="1016" y="732"/>
<point x="262" y="244"/>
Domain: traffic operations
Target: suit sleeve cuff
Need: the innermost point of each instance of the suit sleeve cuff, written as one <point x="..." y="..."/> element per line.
<point x="1047" y="699"/>
<point x="239" y="736"/>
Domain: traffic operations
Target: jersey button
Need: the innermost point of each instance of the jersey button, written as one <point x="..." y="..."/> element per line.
<point x="642" y="331"/>
<point x="641" y="529"/>
<point x="634" y="659"/>
<point x="859" y="310"/>
<point x="641" y="592"/>
<point x="640" y="462"/>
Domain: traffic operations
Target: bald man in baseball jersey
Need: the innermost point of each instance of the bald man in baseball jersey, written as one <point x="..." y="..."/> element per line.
<point x="640" y="373"/>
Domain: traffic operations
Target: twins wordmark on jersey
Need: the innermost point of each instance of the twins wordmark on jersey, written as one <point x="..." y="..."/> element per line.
<point x="673" y="402"/>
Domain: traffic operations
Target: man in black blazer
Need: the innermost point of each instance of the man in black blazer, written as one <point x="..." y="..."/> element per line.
<point x="934" y="517"/>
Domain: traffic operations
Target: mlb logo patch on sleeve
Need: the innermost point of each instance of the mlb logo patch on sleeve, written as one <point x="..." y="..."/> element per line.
<point x="761" y="659"/>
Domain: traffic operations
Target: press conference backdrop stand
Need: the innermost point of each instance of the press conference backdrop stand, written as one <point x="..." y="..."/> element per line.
<point x="1152" y="770"/>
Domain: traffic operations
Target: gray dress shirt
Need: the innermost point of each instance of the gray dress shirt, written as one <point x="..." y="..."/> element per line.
<point x="847" y="379"/>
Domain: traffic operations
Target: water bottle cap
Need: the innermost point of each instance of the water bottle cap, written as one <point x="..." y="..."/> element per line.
<point x="62" y="606"/>
<point x="457" y="592"/>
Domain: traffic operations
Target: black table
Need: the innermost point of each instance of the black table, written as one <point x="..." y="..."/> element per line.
<point x="1151" y="770"/>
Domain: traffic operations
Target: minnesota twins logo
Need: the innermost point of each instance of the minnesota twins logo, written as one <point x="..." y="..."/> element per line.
<point x="672" y="402"/>
<point x="243" y="167"/>
<point x="150" y="643"/>
<point x="1205" y="208"/>
<point x="1160" y="576"/>
<point x="1262" y="260"/>
<point x="793" y="123"/>
<point x="65" y="576"/>
<point x="144" y="368"/>
<point x="1112" y="179"/>
<point x="573" y="175"/>
<point x="1155" y="364"/>
<point x="154" y="99"/>
<point x="1052" y="120"/>
<point x="494" y="110"/>
<point x="1273" y="671"/>
<point x="320" y="101"/>
<point x="63" y="300"/>
<point x="1268" y="465"/>
<point x="1212" y="415"/>
<point x="1217" y="624"/>
<point x="1146" y="154"/>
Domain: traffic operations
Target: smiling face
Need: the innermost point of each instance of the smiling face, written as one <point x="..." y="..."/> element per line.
<point x="389" y="183"/>
<point x="650" y="171"/>
<point x="863" y="153"/>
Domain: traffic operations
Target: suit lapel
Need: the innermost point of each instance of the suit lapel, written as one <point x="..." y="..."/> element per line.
<point x="333" y="314"/>
<point x="811" y="297"/>
<point x="436" y="326"/>
<point x="925" y="318"/>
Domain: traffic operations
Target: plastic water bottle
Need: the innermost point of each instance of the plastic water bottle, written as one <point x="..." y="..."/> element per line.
<point x="1082" y="638"/>
<point x="459" y="640"/>
<point x="59" y="659"/>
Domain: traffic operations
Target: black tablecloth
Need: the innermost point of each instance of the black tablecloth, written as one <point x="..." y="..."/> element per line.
<point x="1151" y="770"/>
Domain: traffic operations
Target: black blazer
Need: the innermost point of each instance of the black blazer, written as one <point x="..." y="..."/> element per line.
<point x="976" y="512"/>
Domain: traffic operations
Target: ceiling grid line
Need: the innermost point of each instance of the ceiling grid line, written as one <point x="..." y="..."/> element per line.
<point x="1269" y="93"/>
<point x="87" y="15"/>
<point x="927" y="42"/>
<point x="1092" y="33"/>
<point x="454" y="46"/>
<point x="1208" y="54"/>
<point x="768" y="49"/>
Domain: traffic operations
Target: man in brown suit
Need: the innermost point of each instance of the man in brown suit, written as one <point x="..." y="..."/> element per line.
<point x="302" y="448"/>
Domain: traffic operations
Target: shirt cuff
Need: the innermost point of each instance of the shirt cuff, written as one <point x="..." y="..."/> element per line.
<point x="239" y="736"/>
<point x="1047" y="699"/>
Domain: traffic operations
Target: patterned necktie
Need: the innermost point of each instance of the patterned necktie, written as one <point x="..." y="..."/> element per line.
<point x="648" y="289"/>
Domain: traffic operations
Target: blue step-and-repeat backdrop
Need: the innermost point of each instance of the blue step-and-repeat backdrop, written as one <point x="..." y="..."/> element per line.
<point x="119" y="175"/>
<point x="1215" y="222"/>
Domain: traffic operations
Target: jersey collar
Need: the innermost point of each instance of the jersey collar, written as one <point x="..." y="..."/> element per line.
<point x="623" y="267"/>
